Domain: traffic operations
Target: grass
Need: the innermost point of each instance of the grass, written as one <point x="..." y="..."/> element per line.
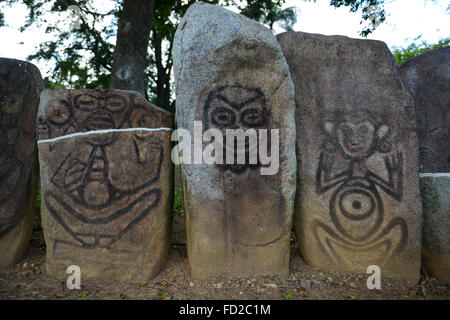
<point x="178" y="201"/>
<point x="38" y="198"/>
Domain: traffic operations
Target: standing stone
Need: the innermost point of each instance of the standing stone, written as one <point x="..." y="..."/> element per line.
<point x="427" y="78"/>
<point x="231" y="74"/>
<point x="359" y="202"/>
<point x="435" y="189"/>
<point x="107" y="183"/>
<point x="20" y="86"/>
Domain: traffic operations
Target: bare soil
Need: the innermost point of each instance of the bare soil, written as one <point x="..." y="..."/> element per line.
<point x="29" y="280"/>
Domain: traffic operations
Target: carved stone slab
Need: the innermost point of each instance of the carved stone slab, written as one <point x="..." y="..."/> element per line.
<point x="359" y="201"/>
<point x="20" y="86"/>
<point x="107" y="182"/>
<point x="231" y="74"/>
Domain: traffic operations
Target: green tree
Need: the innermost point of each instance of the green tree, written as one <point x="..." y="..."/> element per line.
<point x="372" y="12"/>
<point x="415" y="49"/>
<point x="88" y="57"/>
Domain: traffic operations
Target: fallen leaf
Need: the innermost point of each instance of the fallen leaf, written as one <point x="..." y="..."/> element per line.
<point x="289" y="296"/>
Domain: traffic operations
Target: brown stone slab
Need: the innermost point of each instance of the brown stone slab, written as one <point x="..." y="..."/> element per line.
<point x="358" y="202"/>
<point x="107" y="181"/>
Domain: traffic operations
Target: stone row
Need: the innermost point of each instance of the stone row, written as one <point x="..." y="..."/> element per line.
<point x="338" y="116"/>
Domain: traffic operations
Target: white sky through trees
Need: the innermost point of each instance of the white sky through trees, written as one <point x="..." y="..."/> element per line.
<point x="406" y="20"/>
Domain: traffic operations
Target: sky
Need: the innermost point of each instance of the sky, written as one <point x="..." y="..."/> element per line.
<point x="406" y="21"/>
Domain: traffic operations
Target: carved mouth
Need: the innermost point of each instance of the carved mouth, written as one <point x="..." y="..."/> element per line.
<point x="356" y="147"/>
<point x="99" y="121"/>
<point x="9" y="122"/>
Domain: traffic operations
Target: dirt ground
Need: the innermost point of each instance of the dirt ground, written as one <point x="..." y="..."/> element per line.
<point x="29" y="281"/>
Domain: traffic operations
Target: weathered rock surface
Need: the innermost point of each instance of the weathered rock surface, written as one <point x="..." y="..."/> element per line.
<point x="427" y="77"/>
<point x="359" y="201"/>
<point x="435" y="189"/>
<point x="107" y="181"/>
<point x="230" y="73"/>
<point x="20" y="86"/>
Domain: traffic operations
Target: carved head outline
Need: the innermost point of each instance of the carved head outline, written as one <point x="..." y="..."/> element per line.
<point x="235" y="106"/>
<point x="357" y="138"/>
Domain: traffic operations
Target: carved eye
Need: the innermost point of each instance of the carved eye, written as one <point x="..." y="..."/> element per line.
<point x="116" y="104"/>
<point x="12" y="103"/>
<point x="59" y="112"/>
<point x="346" y="129"/>
<point x="86" y="102"/>
<point x="252" y="117"/>
<point x="140" y="118"/>
<point x="223" y="117"/>
<point x="363" y="129"/>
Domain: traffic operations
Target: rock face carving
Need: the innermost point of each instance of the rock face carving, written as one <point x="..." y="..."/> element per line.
<point x="358" y="202"/>
<point x="238" y="220"/>
<point x="20" y="86"/>
<point x="107" y="182"/>
<point x="356" y="205"/>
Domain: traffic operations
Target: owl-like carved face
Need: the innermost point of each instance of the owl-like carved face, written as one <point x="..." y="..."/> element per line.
<point x="234" y="107"/>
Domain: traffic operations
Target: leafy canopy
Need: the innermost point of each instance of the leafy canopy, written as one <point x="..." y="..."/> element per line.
<point x="83" y="57"/>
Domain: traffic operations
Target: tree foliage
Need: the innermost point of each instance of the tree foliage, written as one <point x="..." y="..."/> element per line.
<point x="372" y="12"/>
<point x="415" y="49"/>
<point x="83" y="57"/>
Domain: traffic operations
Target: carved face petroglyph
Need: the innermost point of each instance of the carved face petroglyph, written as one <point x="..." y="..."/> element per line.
<point x="356" y="139"/>
<point x="356" y="211"/>
<point x="236" y="107"/>
<point x="107" y="176"/>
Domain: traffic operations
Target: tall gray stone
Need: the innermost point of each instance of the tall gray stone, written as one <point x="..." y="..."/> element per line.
<point x="427" y="78"/>
<point x="230" y="73"/>
<point x="107" y="183"/>
<point x="20" y="86"/>
<point x="359" y="202"/>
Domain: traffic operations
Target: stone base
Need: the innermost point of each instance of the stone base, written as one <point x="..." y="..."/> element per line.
<point x="14" y="244"/>
<point x="437" y="267"/>
<point x="244" y="262"/>
<point x="435" y="190"/>
<point x="135" y="266"/>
